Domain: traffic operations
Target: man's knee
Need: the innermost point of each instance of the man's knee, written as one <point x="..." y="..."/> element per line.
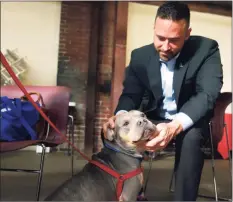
<point x="193" y="138"/>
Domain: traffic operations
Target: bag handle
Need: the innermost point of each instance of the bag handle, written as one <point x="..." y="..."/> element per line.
<point x="39" y="98"/>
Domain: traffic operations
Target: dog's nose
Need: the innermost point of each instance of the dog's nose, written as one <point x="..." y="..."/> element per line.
<point x="141" y="122"/>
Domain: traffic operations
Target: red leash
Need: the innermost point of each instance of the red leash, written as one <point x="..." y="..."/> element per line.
<point x="120" y="177"/>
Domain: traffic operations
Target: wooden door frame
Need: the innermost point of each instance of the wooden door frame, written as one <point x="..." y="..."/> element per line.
<point x="119" y="53"/>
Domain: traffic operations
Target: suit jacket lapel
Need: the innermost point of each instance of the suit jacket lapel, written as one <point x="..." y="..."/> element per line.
<point x="179" y="73"/>
<point x="154" y="76"/>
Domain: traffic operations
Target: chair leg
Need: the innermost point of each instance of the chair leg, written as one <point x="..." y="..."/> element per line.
<point x="69" y="129"/>
<point x="229" y="153"/>
<point x="228" y="149"/>
<point x="171" y="182"/>
<point x="151" y="156"/>
<point x="213" y="170"/>
<point x="72" y="141"/>
<point x="213" y="162"/>
<point x="173" y="176"/>
<point x="40" y="172"/>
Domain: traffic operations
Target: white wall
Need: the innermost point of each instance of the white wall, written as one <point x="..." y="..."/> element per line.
<point x="33" y="29"/>
<point x="140" y="32"/>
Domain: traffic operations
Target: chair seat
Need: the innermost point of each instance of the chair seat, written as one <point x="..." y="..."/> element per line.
<point x="57" y="112"/>
<point x="16" y="145"/>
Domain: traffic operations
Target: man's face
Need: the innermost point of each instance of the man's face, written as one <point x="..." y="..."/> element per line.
<point x="169" y="37"/>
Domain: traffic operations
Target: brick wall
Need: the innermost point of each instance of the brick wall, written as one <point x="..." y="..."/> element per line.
<point x="75" y="30"/>
<point x="105" y="63"/>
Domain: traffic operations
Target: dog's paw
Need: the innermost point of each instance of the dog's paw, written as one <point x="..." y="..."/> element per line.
<point x="141" y="198"/>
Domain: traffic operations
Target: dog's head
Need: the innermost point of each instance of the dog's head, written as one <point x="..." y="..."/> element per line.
<point x="132" y="129"/>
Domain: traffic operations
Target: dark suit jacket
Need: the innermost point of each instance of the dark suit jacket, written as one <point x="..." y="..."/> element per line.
<point x="197" y="79"/>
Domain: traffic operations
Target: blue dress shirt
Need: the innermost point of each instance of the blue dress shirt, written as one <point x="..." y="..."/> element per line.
<point x="168" y="109"/>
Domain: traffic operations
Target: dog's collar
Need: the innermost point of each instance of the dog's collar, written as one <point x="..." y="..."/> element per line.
<point x="108" y="145"/>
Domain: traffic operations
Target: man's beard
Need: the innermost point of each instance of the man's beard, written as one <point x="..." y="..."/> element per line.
<point x="166" y="56"/>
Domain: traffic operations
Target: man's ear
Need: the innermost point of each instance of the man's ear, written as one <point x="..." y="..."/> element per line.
<point x="110" y="134"/>
<point x="188" y="33"/>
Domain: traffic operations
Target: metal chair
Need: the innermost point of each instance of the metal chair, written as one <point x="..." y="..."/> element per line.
<point x="216" y="128"/>
<point x="71" y="136"/>
<point x="56" y="99"/>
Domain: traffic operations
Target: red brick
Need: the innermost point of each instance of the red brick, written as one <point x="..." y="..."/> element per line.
<point x="75" y="31"/>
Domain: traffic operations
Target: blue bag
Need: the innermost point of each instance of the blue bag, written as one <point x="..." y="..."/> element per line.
<point x="18" y="120"/>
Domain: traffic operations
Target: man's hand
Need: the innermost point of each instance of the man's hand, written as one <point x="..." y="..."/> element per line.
<point x="167" y="131"/>
<point x="110" y="123"/>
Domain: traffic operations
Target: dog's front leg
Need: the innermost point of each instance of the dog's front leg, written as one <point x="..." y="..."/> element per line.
<point x="131" y="188"/>
<point x="121" y="199"/>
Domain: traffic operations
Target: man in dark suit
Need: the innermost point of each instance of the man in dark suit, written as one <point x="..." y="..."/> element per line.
<point x="181" y="76"/>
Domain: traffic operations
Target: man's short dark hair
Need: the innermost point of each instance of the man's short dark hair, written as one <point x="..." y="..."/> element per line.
<point x="174" y="10"/>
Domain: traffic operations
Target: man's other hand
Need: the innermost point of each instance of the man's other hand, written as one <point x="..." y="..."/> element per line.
<point x="110" y="123"/>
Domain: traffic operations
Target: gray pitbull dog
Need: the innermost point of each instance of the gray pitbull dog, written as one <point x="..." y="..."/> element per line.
<point x="122" y="152"/>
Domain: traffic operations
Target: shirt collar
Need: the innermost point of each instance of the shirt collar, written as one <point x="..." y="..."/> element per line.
<point x="171" y="61"/>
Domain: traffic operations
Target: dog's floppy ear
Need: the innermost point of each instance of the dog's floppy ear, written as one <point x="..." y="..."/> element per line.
<point x="110" y="134"/>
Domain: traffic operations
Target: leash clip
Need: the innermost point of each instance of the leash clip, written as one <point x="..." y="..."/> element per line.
<point x="121" y="178"/>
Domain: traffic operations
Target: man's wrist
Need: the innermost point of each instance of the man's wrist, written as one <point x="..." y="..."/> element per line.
<point x="121" y="111"/>
<point x="184" y="120"/>
<point x="177" y="125"/>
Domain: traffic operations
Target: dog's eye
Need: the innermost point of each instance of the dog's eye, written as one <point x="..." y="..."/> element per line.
<point x="143" y="115"/>
<point x="126" y="123"/>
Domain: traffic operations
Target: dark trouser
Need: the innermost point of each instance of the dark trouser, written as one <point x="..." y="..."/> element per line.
<point x="189" y="161"/>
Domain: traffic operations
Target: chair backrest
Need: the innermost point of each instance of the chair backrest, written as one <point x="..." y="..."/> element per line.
<point x="56" y="99"/>
<point x="222" y="102"/>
